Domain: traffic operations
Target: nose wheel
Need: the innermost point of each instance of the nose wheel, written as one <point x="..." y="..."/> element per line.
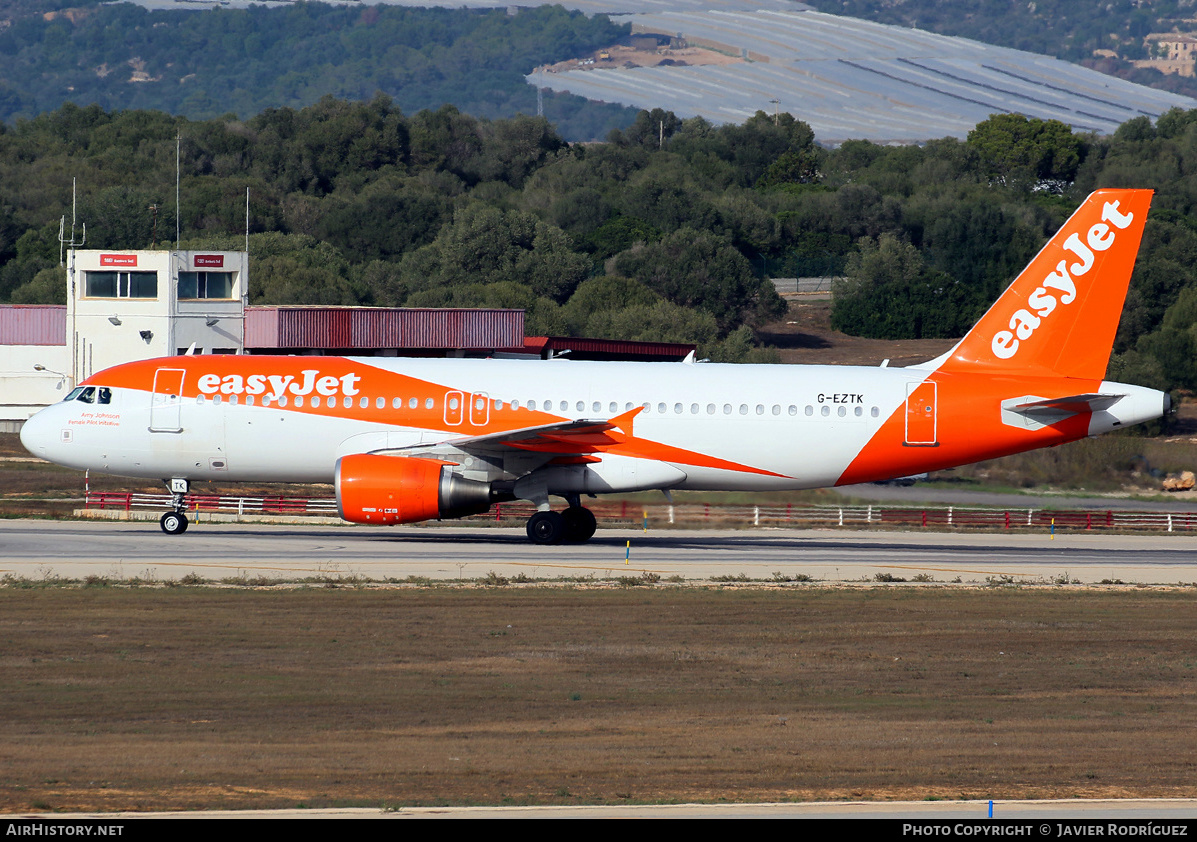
<point x="173" y="523"/>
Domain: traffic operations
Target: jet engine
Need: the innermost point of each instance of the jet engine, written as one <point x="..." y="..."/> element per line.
<point x="399" y="489"/>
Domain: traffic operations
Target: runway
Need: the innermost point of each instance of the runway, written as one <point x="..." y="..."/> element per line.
<point x="122" y="551"/>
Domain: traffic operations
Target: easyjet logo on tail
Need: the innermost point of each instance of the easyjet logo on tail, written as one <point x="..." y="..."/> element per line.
<point x="1059" y="287"/>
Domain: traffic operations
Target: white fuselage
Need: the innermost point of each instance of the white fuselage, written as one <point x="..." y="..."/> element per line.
<point x="804" y="423"/>
<point x="713" y="426"/>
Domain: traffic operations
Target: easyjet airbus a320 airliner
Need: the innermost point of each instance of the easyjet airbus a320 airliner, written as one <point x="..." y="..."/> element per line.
<point x="405" y="440"/>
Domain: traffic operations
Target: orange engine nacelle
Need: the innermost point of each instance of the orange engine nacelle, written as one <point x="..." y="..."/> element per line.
<point x="400" y="489"/>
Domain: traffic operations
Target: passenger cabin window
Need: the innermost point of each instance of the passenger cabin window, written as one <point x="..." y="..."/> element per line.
<point x="120" y="284"/>
<point x="196" y="285"/>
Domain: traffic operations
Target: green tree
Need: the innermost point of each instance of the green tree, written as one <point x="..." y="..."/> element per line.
<point x="388" y="217"/>
<point x="127" y="218"/>
<point x="620" y="233"/>
<point x="649" y="129"/>
<point x="487" y="245"/>
<point x="1015" y="149"/>
<point x="49" y="286"/>
<point x="890" y="293"/>
<point x="513" y="149"/>
<point x="698" y="269"/>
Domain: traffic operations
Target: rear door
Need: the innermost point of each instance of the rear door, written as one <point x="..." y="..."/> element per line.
<point x="920" y="414"/>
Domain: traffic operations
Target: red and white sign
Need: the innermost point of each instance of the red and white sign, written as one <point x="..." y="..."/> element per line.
<point x="118" y="260"/>
<point x="213" y="260"/>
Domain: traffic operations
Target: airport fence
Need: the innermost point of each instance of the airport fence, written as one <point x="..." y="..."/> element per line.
<point x="710" y="514"/>
<point x="212" y="503"/>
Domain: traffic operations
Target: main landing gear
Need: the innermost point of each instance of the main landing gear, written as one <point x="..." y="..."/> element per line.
<point x="174" y="522"/>
<point x="575" y="525"/>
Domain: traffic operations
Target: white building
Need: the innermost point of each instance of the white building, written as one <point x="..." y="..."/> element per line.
<point x="121" y="306"/>
<point x="135" y="305"/>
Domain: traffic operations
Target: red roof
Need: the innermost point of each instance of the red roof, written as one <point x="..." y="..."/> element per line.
<point x="583" y="348"/>
<point x="371" y="328"/>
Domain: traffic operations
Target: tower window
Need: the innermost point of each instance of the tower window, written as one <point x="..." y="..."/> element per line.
<point x="120" y="284"/>
<point x="205" y="285"/>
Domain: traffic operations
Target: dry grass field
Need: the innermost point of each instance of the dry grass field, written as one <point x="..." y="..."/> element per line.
<point x="209" y="697"/>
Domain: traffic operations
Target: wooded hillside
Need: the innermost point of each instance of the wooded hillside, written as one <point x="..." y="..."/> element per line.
<point x="636" y="238"/>
<point x="207" y="62"/>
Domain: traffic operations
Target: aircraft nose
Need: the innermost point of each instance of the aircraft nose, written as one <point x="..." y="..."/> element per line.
<point x="37" y="435"/>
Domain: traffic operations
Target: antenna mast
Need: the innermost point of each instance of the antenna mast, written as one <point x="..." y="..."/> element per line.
<point x="178" y="208"/>
<point x="63" y="242"/>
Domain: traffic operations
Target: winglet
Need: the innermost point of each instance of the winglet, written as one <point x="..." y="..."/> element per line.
<point x="1060" y="315"/>
<point x="624" y="421"/>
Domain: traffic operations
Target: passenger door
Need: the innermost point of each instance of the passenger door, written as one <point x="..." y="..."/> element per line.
<point x="167" y="400"/>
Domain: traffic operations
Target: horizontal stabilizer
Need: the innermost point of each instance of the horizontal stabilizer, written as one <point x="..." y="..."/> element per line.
<point x="1034" y="412"/>
<point x="1072" y="403"/>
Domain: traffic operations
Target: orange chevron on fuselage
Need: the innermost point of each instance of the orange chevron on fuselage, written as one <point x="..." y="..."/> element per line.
<point x="965" y="434"/>
<point x="355" y="389"/>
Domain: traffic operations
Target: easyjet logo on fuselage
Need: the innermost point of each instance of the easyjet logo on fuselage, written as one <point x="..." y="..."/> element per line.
<point x="1043" y="301"/>
<point x="277" y="385"/>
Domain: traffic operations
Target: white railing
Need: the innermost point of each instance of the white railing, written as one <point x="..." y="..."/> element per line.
<point x="704" y="514"/>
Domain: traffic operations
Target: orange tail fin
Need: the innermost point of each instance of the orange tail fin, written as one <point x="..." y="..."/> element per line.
<point x="1059" y="316"/>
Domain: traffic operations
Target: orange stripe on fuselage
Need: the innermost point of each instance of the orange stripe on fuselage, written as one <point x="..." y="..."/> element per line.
<point x="355" y="379"/>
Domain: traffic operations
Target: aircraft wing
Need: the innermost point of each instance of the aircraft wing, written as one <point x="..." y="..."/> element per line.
<point x="578" y="436"/>
<point x="575" y="442"/>
<point x="564" y="438"/>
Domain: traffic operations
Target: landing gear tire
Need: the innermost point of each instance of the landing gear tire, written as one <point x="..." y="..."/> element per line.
<point x="546" y="528"/>
<point x="579" y="524"/>
<point x="173" y="523"/>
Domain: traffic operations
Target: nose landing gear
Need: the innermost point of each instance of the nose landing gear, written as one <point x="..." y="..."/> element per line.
<point x="174" y="522"/>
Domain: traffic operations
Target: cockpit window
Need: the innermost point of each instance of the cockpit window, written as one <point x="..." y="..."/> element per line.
<point x="90" y="394"/>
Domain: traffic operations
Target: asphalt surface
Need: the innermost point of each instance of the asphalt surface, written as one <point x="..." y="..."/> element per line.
<point x="124" y="550"/>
